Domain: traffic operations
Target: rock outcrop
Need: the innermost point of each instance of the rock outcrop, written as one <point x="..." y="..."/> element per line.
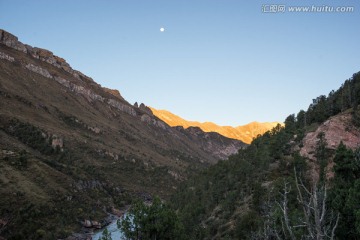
<point x="91" y="224"/>
<point x="87" y="93"/>
<point x="336" y="129"/>
<point x="145" y="109"/>
<point x="122" y="107"/>
<point x="12" y="41"/>
<point x="150" y="119"/>
<point x="113" y="92"/>
<point x="6" y="57"/>
<point x="57" y="142"/>
<point x="39" y="70"/>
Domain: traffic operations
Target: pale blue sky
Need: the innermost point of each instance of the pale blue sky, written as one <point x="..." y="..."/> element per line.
<point x="218" y="60"/>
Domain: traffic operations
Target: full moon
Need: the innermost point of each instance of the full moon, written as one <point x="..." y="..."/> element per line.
<point x="162" y="29"/>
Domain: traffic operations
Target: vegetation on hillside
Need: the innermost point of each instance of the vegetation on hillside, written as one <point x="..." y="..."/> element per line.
<point x="30" y="135"/>
<point x="268" y="191"/>
<point x="151" y="221"/>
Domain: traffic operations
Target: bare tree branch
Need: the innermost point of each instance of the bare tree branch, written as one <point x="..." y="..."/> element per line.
<point x="335" y="226"/>
<point x="319" y="223"/>
<point x="284" y="209"/>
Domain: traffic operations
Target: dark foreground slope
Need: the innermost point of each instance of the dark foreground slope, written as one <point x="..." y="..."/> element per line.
<point x="300" y="181"/>
<point x="71" y="150"/>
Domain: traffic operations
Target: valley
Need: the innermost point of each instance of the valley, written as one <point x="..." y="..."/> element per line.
<point x="73" y="153"/>
<point x="77" y="151"/>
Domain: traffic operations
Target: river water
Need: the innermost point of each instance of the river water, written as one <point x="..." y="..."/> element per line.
<point x="112" y="228"/>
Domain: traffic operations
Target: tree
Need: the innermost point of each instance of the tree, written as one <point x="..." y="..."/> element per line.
<point x="106" y="235"/>
<point x="249" y="222"/>
<point x="353" y="205"/>
<point x="301" y="119"/>
<point x="151" y="222"/>
<point x="290" y="124"/>
<point x="318" y="220"/>
<point x="345" y="192"/>
<point x="322" y="156"/>
<point x="356" y="116"/>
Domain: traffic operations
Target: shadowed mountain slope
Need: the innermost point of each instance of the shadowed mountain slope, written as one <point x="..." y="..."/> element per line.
<point x="74" y="150"/>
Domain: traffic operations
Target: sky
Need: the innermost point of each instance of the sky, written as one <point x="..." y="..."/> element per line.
<point x="230" y="62"/>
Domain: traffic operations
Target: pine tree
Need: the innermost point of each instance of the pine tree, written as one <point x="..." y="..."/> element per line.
<point x="148" y="222"/>
<point x="345" y="192"/>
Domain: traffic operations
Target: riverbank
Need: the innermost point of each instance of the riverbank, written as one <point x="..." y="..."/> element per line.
<point x="110" y="222"/>
<point x="112" y="229"/>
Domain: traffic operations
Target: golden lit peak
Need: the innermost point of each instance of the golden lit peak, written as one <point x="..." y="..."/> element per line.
<point x="244" y="133"/>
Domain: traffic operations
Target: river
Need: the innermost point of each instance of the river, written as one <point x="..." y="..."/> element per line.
<point x="116" y="234"/>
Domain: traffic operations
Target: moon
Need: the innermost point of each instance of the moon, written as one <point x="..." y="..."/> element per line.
<point x="162" y="29"/>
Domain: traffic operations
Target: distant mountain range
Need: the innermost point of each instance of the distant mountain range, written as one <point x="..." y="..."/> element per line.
<point x="244" y="133"/>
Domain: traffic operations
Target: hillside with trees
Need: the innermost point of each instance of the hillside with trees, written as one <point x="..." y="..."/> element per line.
<point x="270" y="191"/>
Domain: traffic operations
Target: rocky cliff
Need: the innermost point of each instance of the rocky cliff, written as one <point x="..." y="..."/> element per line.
<point x="336" y="129"/>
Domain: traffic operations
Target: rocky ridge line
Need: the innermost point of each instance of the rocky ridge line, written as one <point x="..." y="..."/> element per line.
<point x="12" y="41"/>
<point x="44" y="55"/>
<point x="109" y="96"/>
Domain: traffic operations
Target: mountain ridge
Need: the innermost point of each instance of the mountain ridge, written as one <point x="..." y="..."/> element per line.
<point x="75" y="150"/>
<point x="244" y="133"/>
